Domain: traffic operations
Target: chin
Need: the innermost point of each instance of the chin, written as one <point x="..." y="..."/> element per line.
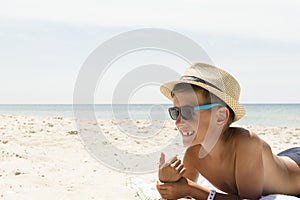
<point x="191" y="142"/>
<point x="186" y="144"/>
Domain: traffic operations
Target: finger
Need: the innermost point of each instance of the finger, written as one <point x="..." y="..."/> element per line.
<point x="164" y="195"/>
<point x="162" y="159"/>
<point x="179" y="168"/>
<point x="182" y="171"/>
<point x="161" y="186"/>
<point x="162" y="189"/>
<point x="162" y="192"/>
<point x="176" y="163"/>
<point x="173" y="159"/>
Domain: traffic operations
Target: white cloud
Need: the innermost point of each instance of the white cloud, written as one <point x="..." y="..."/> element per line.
<point x="238" y="35"/>
<point x="265" y="19"/>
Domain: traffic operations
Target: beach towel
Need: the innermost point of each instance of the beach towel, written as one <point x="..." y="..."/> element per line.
<point x="147" y="191"/>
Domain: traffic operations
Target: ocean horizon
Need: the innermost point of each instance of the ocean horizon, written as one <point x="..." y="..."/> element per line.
<point x="275" y="115"/>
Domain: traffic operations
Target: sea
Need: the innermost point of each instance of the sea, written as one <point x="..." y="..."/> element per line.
<point x="271" y="115"/>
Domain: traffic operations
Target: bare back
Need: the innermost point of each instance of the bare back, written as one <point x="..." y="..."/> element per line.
<point x="244" y="165"/>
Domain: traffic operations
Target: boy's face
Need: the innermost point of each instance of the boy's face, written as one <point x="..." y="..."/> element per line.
<point x="193" y="131"/>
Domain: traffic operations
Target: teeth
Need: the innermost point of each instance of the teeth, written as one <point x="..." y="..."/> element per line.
<point x="188" y="133"/>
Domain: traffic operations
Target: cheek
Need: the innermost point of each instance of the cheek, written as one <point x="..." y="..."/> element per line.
<point x="195" y="123"/>
<point x="197" y="118"/>
<point x="201" y="121"/>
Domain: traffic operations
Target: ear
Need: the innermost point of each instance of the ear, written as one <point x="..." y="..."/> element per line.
<point x="222" y="115"/>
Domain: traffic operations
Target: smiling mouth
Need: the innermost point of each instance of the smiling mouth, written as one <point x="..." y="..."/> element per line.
<point x="187" y="133"/>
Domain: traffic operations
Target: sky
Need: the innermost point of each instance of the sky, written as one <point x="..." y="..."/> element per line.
<point x="44" y="44"/>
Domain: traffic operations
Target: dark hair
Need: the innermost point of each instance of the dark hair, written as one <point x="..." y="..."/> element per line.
<point x="209" y="97"/>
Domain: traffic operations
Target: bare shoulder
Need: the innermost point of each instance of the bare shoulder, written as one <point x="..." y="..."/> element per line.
<point x="243" y="138"/>
<point x="190" y="154"/>
<point x="249" y="144"/>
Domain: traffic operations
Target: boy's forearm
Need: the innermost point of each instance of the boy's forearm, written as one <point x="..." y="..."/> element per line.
<point x="199" y="192"/>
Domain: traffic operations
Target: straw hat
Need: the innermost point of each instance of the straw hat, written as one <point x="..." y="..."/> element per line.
<point x="213" y="79"/>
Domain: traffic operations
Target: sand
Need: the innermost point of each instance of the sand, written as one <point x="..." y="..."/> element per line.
<point x="45" y="157"/>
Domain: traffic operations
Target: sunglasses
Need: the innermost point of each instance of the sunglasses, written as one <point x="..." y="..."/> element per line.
<point x="187" y="112"/>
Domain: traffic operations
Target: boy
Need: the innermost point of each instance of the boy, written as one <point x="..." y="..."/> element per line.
<point x="234" y="160"/>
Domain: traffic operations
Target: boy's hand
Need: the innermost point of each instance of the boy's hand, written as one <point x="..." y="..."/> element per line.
<point x="177" y="190"/>
<point x="170" y="171"/>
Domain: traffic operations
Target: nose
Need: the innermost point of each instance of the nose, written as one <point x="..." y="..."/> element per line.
<point x="179" y="120"/>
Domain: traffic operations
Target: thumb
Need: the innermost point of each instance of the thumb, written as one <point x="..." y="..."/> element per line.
<point x="162" y="159"/>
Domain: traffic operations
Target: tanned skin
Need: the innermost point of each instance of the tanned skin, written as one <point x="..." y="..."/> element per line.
<point x="239" y="163"/>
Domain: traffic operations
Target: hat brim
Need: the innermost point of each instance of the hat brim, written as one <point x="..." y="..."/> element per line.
<point x="238" y="109"/>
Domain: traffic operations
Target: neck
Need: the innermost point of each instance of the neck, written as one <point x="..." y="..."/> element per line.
<point x="214" y="144"/>
<point x="226" y="134"/>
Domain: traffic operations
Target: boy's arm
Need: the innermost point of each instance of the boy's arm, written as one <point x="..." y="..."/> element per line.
<point x="186" y="188"/>
<point x="191" y="171"/>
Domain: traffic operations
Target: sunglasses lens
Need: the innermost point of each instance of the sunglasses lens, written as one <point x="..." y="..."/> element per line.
<point x="187" y="112"/>
<point x="174" y="112"/>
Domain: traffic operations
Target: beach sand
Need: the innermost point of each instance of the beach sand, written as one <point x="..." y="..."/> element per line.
<point x="45" y="158"/>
